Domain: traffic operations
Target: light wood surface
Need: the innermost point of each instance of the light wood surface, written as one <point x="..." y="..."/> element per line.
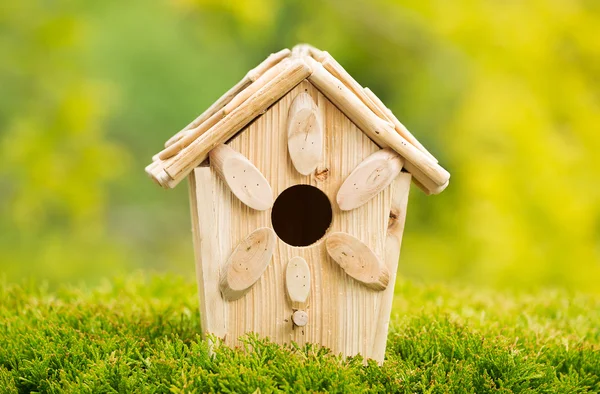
<point x="247" y="263"/>
<point x="268" y="63"/>
<point x="400" y="128"/>
<point x="243" y="178"/>
<point x="357" y="260"/>
<point x="393" y="242"/>
<point x="338" y="291"/>
<point x="263" y="86"/>
<point x="300" y="50"/>
<point x="380" y="130"/>
<point x="369" y="178"/>
<point x="250" y="77"/>
<point x="342" y="313"/>
<point x="368" y="98"/>
<point x="300" y="318"/>
<point x="171" y="171"/>
<point x="305" y="134"/>
<point x="297" y="282"/>
<point x="336" y="70"/>
<point x="192" y="134"/>
<point x="210" y="249"/>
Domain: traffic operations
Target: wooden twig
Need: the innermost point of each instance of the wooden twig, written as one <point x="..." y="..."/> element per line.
<point x="381" y="131"/>
<point x="268" y="63"/>
<point x="400" y="128"/>
<point x="216" y="106"/>
<point x="180" y="165"/>
<point x="300" y="50"/>
<point x="316" y="53"/>
<point x="422" y="182"/>
<point x="193" y="134"/>
<point x="369" y="99"/>
<point x="250" y="77"/>
<point x="342" y="75"/>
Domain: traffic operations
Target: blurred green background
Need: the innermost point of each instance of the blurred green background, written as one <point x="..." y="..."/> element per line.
<point x="506" y="95"/>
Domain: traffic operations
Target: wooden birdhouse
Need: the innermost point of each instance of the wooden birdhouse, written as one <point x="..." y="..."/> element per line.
<point x="299" y="180"/>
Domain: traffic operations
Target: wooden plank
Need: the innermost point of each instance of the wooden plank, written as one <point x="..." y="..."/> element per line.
<point x="305" y="134"/>
<point x="297" y="281"/>
<point x="381" y="131"/>
<point x="369" y="178"/>
<point x="180" y="165"/>
<point x="357" y="260"/>
<point x="393" y="242"/>
<point x="245" y="180"/>
<point x="204" y="199"/>
<point x="247" y="263"/>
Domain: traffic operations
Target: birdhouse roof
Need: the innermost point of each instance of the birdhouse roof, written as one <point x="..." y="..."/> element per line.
<point x="266" y="84"/>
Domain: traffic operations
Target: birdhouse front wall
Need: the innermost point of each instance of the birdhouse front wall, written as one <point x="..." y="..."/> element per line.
<point x="343" y="314"/>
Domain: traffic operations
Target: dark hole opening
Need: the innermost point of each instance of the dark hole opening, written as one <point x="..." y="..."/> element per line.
<point x="301" y="215"/>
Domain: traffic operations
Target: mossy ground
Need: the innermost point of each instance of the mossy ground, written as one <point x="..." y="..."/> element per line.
<point x="140" y="334"/>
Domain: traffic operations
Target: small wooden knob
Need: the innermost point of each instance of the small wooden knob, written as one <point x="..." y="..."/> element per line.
<point x="300" y="318"/>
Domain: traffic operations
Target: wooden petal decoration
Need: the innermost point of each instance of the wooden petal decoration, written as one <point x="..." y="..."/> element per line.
<point x="370" y="177"/>
<point x="243" y="178"/>
<point x="297" y="279"/>
<point x="305" y="134"/>
<point x="247" y="263"/>
<point x="357" y="260"/>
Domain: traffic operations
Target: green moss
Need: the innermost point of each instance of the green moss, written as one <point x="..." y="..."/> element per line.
<point x="140" y="334"/>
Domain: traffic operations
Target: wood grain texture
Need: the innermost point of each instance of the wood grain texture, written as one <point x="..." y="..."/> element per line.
<point x="368" y="98"/>
<point x="250" y="77"/>
<point x="301" y="50"/>
<point x="210" y="249"/>
<point x="380" y="130"/>
<point x="342" y="313"/>
<point x="178" y="166"/>
<point x="369" y="178"/>
<point x="297" y="281"/>
<point x="357" y="260"/>
<point x="243" y="178"/>
<point x="247" y="263"/>
<point x="397" y="217"/>
<point x="343" y="76"/>
<point x="400" y="128"/>
<point x="192" y="134"/>
<point x="305" y="134"/>
<point x="300" y="318"/>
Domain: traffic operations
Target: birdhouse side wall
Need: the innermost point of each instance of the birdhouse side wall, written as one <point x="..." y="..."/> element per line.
<point x="343" y="314"/>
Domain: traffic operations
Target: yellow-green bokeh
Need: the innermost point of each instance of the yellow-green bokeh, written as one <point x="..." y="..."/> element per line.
<point x="505" y="94"/>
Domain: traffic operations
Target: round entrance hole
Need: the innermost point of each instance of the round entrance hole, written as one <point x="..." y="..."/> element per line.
<point x="301" y="215"/>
